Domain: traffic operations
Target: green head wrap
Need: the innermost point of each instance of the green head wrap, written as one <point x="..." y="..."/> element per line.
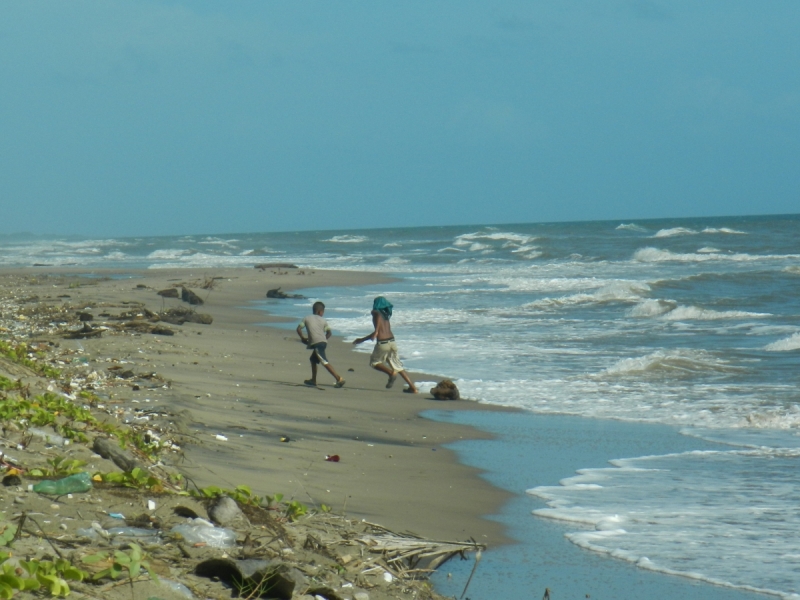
<point x="383" y="306"/>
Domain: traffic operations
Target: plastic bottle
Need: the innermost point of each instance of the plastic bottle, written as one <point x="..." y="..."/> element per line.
<point x="214" y="537"/>
<point x="80" y="482"/>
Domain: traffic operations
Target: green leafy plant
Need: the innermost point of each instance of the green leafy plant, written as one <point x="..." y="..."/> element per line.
<point x="119" y="562"/>
<point x="7" y="533"/>
<point x="32" y="575"/>
<point x="295" y="510"/>
<point x="241" y="493"/>
<point x="20" y="354"/>
<point x="53" y="575"/>
<point x="136" y="478"/>
<point x="60" y="466"/>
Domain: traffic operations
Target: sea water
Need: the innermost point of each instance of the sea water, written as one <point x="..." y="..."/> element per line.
<point x="692" y="324"/>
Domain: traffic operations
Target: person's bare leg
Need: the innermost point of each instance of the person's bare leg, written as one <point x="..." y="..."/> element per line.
<point x="384" y="369"/>
<point x="333" y="372"/>
<point x="313" y="380"/>
<point x="412" y="388"/>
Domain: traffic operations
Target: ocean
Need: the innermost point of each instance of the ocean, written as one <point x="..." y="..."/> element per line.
<point x="685" y="326"/>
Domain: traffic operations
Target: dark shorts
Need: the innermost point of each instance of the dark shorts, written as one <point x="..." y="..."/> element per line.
<point x="318" y="353"/>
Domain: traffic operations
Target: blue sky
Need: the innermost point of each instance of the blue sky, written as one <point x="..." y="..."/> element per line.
<point x="150" y="118"/>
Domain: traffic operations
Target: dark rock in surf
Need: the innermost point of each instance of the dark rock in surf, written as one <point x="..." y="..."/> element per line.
<point x="445" y="390"/>
<point x="277" y="293"/>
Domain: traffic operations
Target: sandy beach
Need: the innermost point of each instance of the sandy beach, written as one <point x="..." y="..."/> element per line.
<point x="241" y="380"/>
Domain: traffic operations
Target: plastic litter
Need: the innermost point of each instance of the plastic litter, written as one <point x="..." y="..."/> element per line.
<point x="176" y="586"/>
<point x="80" y="482"/>
<point x="143" y="536"/>
<point x="48" y="436"/>
<point x="214" y="537"/>
<point x="332" y="457"/>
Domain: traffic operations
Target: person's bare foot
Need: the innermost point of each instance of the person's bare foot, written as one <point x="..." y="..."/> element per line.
<point x="410" y="390"/>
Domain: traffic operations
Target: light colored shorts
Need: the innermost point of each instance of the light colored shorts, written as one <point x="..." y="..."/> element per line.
<point x="386" y="353"/>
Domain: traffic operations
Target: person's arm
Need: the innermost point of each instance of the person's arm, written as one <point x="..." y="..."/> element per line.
<point x="328" y="332"/>
<point x="374" y="333"/>
<point x="300" y="333"/>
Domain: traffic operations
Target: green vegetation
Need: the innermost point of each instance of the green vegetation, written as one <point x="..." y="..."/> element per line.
<point x="137" y="478"/>
<point x="19" y="353"/>
<point x="119" y="562"/>
<point x="60" y="466"/>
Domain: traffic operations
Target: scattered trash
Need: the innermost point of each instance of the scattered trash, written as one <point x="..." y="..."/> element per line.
<point x="176" y="587"/>
<point x="116" y="515"/>
<point x="285" y="438"/>
<point x="80" y="482"/>
<point x="332" y="457"/>
<point x="205" y="533"/>
<point x="221" y="438"/>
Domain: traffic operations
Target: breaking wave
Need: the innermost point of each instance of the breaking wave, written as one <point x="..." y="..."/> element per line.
<point x="785" y="345"/>
<point x="651" y="255"/>
<point x="630" y="227"/>
<point x="347" y="239"/>
<point x="619" y="291"/>
<point x="675" y="231"/>
<point x="694" y="313"/>
<point x="671" y="362"/>
<point x="652" y="308"/>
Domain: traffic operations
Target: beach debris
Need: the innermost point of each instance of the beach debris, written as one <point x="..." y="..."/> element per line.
<point x="221" y="437"/>
<point x="87" y="331"/>
<point x="110" y="450"/>
<point x="409" y="555"/>
<point x="286" y="438"/>
<point x="200" y="531"/>
<point x="332" y="457"/>
<point x="179" y="316"/>
<point x="264" y="578"/>
<point x="189" y="296"/>
<point x="277" y="293"/>
<point x="78" y="483"/>
<point x="265" y="266"/>
<point x="169" y="293"/>
<point x="224" y="511"/>
<point x="445" y="390"/>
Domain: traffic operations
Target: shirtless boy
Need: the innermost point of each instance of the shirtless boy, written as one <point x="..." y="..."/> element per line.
<point x="316" y="341"/>
<point x="384" y="357"/>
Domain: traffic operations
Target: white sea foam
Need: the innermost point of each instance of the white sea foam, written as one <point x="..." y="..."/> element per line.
<point x="450" y="249"/>
<point x="646" y="255"/>
<point x="347" y="239"/>
<point x="694" y="313"/>
<point x="617" y="291"/>
<point x="709" y="250"/>
<point x="631" y="227"/>
<point x="467" y="239"/>
<point x="785" y="345"/>
<point x="169" y="254"/>
<point x="662" y="512"/>
<point x="675" y="231"/>
<point x="726" y="230"/>
<point x="393" y="245"/>
<point x="652" y="308"/>
<point x="671" y="361"/>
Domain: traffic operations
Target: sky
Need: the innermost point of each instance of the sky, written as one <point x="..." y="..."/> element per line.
<point x="170" y="117"/>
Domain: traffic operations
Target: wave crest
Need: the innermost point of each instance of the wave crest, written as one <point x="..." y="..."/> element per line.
<point x="785" y="345"/>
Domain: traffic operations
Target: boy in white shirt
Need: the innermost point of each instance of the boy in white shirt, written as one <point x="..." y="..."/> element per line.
<point x="316" y="341"/>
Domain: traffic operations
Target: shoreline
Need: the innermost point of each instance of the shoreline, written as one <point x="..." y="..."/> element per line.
<point x="242" y="379"/>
